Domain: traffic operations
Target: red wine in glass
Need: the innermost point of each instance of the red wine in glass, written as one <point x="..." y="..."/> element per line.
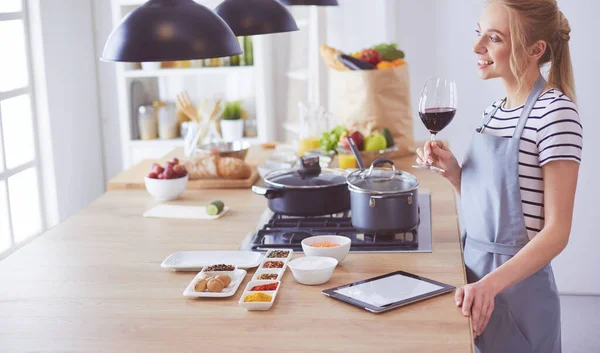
<point x="437" y="108"/>
<point x="435" y="119"/>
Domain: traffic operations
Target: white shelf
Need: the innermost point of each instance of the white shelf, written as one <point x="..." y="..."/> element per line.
<point x="191" y="71"/>
<point x="174" y="143"/>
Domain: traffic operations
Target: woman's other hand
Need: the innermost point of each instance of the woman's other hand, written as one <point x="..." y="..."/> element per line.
<point x="477" y="301"/>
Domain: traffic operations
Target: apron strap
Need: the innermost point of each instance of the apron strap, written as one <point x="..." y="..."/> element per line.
<point x="538" y="88"/>
<point x="489" y="116"/>
<point x="496" y="248"/>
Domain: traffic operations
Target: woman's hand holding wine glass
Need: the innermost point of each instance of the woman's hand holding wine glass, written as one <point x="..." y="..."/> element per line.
<point x="437" y="107"/>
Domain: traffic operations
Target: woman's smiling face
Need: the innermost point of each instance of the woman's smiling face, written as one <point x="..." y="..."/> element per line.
<point x="493" y="45"/>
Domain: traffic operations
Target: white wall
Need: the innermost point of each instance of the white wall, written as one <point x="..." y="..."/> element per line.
<point x="107" y="83"/>
<point x="70" y="129"/>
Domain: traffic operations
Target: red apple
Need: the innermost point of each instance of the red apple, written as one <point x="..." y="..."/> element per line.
<point x="359" y="139"/>
<point x="169" y="166"/>
<point x="161" y="176"/>
<point x="153" y="175"/>
<point x="169" y="174"/>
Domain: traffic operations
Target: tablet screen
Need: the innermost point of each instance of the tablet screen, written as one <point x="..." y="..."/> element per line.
<point x="388" y="290"/>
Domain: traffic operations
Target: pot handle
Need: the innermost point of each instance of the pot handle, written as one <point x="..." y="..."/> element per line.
<point x="269" y="193"/>
<point x="377" y="161"/>
<point x="409" y="198"/>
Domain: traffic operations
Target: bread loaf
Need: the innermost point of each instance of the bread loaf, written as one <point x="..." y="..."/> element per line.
<point x="329" y="55"/>
<point x="201" y="167"/>
<point x="213" y="166"/>
<point x="233" y="168"/>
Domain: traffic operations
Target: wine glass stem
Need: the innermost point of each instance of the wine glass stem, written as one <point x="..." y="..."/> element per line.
<point x="432" y="138"/>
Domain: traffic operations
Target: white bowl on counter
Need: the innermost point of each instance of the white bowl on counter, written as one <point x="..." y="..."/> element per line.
<point x="338" y="252"/>
<point x="312" y="270"/>
<point x="166" y="189"/>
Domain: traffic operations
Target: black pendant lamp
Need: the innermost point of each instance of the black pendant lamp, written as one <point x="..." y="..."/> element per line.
<point x="170" y="30"/>
<point x="310" y="2"/>
<point x="252" y="17"/>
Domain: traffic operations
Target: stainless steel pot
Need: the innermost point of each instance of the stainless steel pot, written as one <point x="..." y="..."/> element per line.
<point x="383" y="200"/>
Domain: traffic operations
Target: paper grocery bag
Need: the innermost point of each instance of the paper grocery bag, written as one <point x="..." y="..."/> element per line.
<point x="370" y="100"/>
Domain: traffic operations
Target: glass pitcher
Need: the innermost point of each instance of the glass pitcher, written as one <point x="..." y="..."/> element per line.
<point x="313" y="122"/>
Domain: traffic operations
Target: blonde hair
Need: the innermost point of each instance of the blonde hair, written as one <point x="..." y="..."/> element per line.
<point x="533" y="20"/>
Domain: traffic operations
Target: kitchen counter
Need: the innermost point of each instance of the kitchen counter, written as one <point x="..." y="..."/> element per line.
<point x="94" y="284"/>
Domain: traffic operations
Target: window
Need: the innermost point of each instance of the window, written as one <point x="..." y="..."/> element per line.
<point x="21" y="215"/>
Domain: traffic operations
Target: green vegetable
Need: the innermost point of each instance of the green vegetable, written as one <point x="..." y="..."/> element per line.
<point x="389" y="52"/>
<point x="339" y="130"/>
<point x="389" y="139"/>
<point x="215" y="207"/>
<point x="329" y="140"/>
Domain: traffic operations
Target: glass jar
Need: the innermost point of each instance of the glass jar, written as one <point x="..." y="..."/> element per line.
<point x="168" y="127"/>
<point x="147" y="122"/>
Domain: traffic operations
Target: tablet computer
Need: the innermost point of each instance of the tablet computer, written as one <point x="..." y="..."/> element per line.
<point x="389" y="291"/>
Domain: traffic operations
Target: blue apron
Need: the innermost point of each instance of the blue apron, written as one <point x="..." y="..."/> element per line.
<point x="526" y="316"/>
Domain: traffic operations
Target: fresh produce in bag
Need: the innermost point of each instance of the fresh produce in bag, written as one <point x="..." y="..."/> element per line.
<point x="370" y="94"/>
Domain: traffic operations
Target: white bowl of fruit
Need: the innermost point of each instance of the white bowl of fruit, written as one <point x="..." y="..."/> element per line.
<point x="168" y="182"/>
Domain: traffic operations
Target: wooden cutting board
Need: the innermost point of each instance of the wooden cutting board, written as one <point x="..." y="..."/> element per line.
<point x="133" y="178"/>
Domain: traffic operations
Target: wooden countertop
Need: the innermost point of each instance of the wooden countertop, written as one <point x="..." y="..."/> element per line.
<point x="94" y="284"/>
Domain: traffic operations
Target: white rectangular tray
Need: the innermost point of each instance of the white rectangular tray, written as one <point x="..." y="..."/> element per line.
<point x="195" y="260"/>
<point x="236" y="280"/>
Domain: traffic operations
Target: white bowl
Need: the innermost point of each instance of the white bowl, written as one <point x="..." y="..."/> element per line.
<point x="166" y="189"/>
<point x="338" y="252"/>
<point x="312" y="270"/>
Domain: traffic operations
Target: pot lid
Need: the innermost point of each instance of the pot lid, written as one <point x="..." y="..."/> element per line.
<point x="308" y="175"/>
<point x="382" y="180"/>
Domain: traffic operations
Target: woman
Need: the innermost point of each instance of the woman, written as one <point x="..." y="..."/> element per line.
<point x="518" y="180"/>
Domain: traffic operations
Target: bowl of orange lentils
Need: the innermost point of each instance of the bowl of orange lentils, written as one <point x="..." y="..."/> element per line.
<point x="335" y="246"/>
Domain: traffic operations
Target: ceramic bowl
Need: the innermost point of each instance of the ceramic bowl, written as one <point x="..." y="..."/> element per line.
<point x="312" y="270"/>
<point x="166" y="189"/>
<point x="338" y="252"/>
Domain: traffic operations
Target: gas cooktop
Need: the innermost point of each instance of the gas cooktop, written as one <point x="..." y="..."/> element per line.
<point x="277" y="231"/>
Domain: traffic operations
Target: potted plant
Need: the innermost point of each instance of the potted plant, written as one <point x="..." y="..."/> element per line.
<point x="232" y="125"/>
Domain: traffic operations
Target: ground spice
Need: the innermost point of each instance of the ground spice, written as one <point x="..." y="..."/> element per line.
<point x="273" y="264"/>
<point x="219" y="267"/>
<point x="278" y="254"/>
<point x="267" y="276"/>
<point x="270" y="286"/>
<point x="258" y="297"/>
<point x="325" y="244"/>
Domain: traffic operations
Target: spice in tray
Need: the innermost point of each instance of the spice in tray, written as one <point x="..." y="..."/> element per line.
<point x="273" y="264"/>
<point x="278" y="254"/>
<point x="264" y="287"/>
<point x="219" y="267"/>
<point x="258" y="297"/>
<point x="267" y="276"/>
<point x="325" y="244"/>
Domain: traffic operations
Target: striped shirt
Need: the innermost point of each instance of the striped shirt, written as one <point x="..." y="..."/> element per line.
<point x="553" y="132"/>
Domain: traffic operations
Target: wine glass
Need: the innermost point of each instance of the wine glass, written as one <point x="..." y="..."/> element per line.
<point x="437" y="108"/>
